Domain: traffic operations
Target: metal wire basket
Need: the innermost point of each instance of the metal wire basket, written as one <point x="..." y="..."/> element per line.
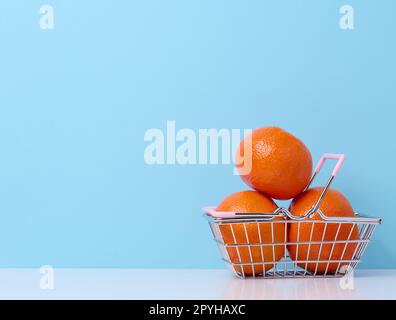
<point x="258" y="245"/>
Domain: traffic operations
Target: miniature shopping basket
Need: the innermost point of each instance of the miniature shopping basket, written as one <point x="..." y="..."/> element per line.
<point x="281" y="245"/>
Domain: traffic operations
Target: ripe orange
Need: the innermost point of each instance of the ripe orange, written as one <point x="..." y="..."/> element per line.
<point x="334" y="205"/>
<point x="281" y="165"/>
<point x="255" y="233"/>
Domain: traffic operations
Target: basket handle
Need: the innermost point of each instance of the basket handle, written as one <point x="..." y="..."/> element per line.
<point x="212" y="212"/>
<point x="328" y="156"/>
<point x="336" y="170"/>
<point x="219" y="215"/>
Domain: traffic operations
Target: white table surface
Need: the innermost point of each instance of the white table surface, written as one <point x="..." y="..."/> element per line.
<point x="187" y="284"/>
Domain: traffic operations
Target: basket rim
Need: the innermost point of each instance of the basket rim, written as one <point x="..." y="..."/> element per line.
<point x="209" y="214"/>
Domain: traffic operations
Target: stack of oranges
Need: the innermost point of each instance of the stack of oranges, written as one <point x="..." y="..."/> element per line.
<point x="281" y="169"/>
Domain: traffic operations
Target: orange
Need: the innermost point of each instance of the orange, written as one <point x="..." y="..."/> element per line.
<point x="252" y="233"/>
<point x="281" y="165"/>
<point x="334" y="205"/>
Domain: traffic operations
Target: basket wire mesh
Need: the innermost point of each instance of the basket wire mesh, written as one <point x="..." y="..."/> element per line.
<point x="259" y="245"/>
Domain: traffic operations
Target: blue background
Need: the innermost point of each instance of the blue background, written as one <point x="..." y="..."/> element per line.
<point x="76" y="101"/>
